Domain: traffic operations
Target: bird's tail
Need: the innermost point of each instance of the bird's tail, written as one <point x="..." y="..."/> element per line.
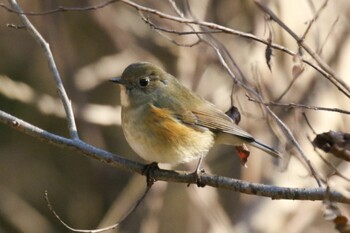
<point x="266" y="148"/>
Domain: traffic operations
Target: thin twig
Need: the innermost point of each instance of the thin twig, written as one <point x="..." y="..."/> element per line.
<point x="313" y="20"/>
<point x="159" y="30"/>
<point x="114" y="226"/>
<point x="53" y="68"/>
<point x="308" y="123"/>
<point x="290" y="136"/>
<point x="294" y="105"/>
<point x="58" y="9"/>
<point x="180" y="33"/>
<point x="287" y="89"/>
<point x="317" y="33"/>
<point x="328" y="35"/>
<point x="335" y="169"/>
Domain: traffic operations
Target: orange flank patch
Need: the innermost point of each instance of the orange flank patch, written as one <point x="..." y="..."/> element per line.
<point x="167" y="127"/>
<point x="161" y="137"/>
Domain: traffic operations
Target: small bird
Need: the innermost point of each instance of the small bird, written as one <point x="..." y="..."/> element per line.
<point x="165" y="122"/>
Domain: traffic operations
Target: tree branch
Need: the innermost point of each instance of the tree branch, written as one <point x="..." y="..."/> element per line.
<point x="53" y="68"/>
<point x="185" y="177"/>
<point x="59" y="9"/>
<point x="295" y="105"/>
<point x="313" y="20"/>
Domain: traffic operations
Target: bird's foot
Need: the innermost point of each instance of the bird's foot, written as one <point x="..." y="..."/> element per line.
<point x="148" y="171"/>
<point x="198" y="172"/>
<point x="197" y="177"/>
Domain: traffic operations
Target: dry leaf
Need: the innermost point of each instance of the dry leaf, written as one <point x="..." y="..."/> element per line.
<point x="336" y="143"/>
<point x="234" y="114"/>
<point x="268" y="55"/>
<point x="243" y="153"/>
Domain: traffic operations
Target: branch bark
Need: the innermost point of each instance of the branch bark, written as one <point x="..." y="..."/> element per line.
<point x="271" y="191"/>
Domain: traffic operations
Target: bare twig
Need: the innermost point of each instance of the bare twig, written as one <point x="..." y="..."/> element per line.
<point x="313" y="20"/>
<point x="308" y="123"/>
<point x="59" y="9"/>
<point x="287" y="89"/>
<point x="159" y="30"/>
<point x="328" y="35"/>
<point x="316" y="30"/>
<point x="53" y="68"/>
<point x="294" y="105"/>
<point x="335" y="169"/>
<point x="114" y="226"/>
<point x="290" y="136"/>
<point x="180" y="33"/>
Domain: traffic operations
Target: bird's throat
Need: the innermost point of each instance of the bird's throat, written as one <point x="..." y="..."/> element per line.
<point x="124" y="98"/>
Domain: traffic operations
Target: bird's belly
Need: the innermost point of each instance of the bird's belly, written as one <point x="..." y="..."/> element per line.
<point x="158" y="138"/>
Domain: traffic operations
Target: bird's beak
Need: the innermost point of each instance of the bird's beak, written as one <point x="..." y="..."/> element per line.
<point x="118" y="80"/>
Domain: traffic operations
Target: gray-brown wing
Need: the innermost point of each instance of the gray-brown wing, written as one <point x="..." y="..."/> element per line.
<point x="208" y="116"/>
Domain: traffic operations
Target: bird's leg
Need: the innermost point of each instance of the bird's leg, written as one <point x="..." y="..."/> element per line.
<point x="197" y="173"/>
<point x="199" y="165"/>
<point x="148" y="171"/>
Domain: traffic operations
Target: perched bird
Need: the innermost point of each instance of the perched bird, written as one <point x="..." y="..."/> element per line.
<point x="165" y="122"/>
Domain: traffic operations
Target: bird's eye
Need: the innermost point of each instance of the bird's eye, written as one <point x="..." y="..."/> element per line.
<point x="144" y="82"/>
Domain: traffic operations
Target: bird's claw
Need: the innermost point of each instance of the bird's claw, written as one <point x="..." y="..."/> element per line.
<point x="148" y="171"/>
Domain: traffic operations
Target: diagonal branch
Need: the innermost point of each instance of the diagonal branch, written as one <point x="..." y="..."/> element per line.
<point x="53" y="68"/>
<point x="295" y="105"/>
<point x="313" y="20"/>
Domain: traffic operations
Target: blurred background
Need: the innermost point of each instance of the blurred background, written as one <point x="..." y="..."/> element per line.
<point x="91" y="47"/>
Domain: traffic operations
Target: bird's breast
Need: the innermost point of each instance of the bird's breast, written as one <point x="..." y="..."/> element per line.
<point x="157" y="136"/>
